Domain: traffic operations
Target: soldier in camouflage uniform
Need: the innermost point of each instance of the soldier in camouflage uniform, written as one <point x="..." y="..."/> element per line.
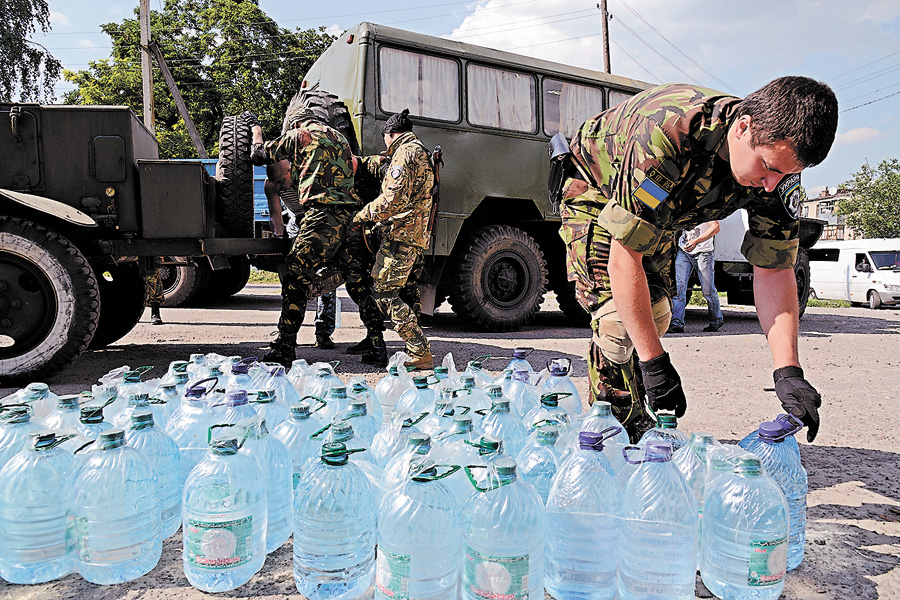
<point x="670" y="158"/>
<point x="155" y="297"/>
<point x="402" y="211"/>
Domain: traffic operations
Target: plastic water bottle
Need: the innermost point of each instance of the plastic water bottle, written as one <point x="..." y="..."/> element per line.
<point x="263" y="402"/>
<point x="583" y="511"/>
<point x="276" y="379"/>
<point x="419" y="537"/>
<point x="364" y="425"/>
<point x="233" y="408"/>
<point x="334" y="529"/>
<point x="116" y="511"/>
<point x="558" y="381"/>
<point x="503" y="533"/>
<point x="168" y="398"/>
<point x="520" y="362"/>
<point x="481" y="377"/>
<point x="418" y="448"/>
<point x="15" y="427"/>
<point x="358" y="389"/>
<point x="391" y="386"/>
<point x="548" y="411"/>
<point x="321" y="382"/>
<point x="139" y="403"/>
<point x="691" y="460"/>
<point x="36" y="395"/>
<point x="300" y="370"/>
<point x="274" y="460"/>
<point x="538" y="462"/>
<point x="522" y="395"/>
<point x="779" y="453"/>
<point x="335" y="401"/>
<point x="666" y="430"/>
<point x="658" y="549"/>
<point x="440" y="416"/>
<point x="223" y="519"/>
<point x="471" y="395"/>
<point x="459" y="447"/>
<point x="66" y="416"/>
<point x="295" y="435"/>
<point x="239" y="378"/>
<point x="392" y="438"/>
<point x="745" y="535"/>
<point x="599" y="418"/>
<point x="502" y="424"/>
<point x="35" y="499"/>
<point x="417" y="400"/>
<point x="90" y="426"/>
<point x="196" y="362"/>
<point x="189" y="426"/>
<point x="165" y="458"/>
<point x="131" y="384"/>
<point x="176" y="366"/>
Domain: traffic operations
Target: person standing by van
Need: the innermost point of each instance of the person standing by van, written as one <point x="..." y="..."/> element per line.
<point x="695" y="252"/>
<point x="670" y="158"/>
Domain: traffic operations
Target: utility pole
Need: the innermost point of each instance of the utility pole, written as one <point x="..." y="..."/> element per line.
<point x="147" y="67"/>
<point x="605" y="14"/>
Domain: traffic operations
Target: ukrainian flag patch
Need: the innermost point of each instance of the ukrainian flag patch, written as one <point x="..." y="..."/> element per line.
<point x="650" y="194"/>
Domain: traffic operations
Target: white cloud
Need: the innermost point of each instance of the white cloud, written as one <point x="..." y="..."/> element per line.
<point x="86" y="44"/>
<point x="57" y="19"/>
<point x="860" y="135"/>
<point x="334" y="30"/>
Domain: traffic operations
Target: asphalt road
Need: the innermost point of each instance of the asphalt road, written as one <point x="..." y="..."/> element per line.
<point x="851" y="356"/>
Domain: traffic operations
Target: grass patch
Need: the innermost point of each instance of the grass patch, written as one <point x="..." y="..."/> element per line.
<point x="828" y="303"/>
<point x="257" y="276"/>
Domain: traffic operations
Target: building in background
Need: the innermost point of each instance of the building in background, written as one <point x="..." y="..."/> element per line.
<point x="824" y="207"/>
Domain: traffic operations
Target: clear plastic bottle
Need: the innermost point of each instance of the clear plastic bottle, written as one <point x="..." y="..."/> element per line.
<point x="538" y="462"/>
<point x="35" y="499"/>
<point x="66" y="416"/>
<point x="417" y="400"/>
<point x="36" y="395"/>
<point x="520" y="362"/>
<point x="743" y="554"/>
<point x="779" y="453"/>
<point x="176" y="366"/>
<point x="239" y="378"/>
<point x="440" y="416"/>
<point x="335" y="402"/>
<point x="335" y="519"/>
<point x="116" y="512"/>
<point x="357" y="388"/>
<point x="131" y="384"/>
<point x="583" y="511"/>
<point x="666" y="430"/>
<point x="658" y="549"/>
<point x="391" y="386"/>
<point x="364" y="425"/>
<point x="276" y="379"/>
<point x="168" y="398"/>
<point x="274" y="461"/>
<point x="548" y="410"/>
<point x="459" y="447"/>
<point x="196" y="365"/>
<point x="522" y="395"/>
<point x="599" y="418"/>
<point x="15" y="426"/>
<point x="558" y="381"/>
<point x="418" y="448"/>
<point x="320" y="383"/>
<point x="418" y="537"/>
<point x="267" y="408"/>
<point x="165" y="458"/>
<point x="475" y="368"/>
<point x="691" y="460"/>
<point x="392" y="438"/>
<point x="503" y="532"/>
<point x="189" y="425"/>
<point x="502" y="424"/>
<point x="138" y="403"/>
<point x="234" y="408"/>
<point x="471" y="395"/>
<point x="295" y="435"/>
<point x="300" y="370"/>
<point x="89" y="428"/>
<point x="223" y="519"/>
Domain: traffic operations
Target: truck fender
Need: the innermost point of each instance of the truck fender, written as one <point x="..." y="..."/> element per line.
<point x="50" y="207"/>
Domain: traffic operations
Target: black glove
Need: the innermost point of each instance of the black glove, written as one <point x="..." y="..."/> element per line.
<point x="258" y="155"/>
<point x="663" y="385"/>
<point x="799" y="398"/>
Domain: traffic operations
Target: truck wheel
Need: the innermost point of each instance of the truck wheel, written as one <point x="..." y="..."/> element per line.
<point x="569" y="305"/>
<point x="328" y="109"/>
<point x="49" y="301"/>
<point x="184" y="283"/>
<point x="234" y="175"/>
<point x="121" y="303"/>
<point x="500" y="279"/>
<point x="229" y="282"/>
<point x="801" y="271"/>
<point x="874" y="300"/>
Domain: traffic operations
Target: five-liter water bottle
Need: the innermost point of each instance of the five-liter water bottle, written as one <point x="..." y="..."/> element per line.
<point x="223" y="519"/>
<point x="440" y="416"/>
<point x="319" y="386"/>
<point x="277" y="380"/>
<point x="392" y="438"/>
<point x="233" y="408"/>
<point x="777" y="449"/>
<point x="397" y="468"/>
<point x="295" y="435"/>
<point x="691" y="460"/>
<point x="658" y="549"/>
<point x="502" y="424"/>
<point x="15" y="426"/>
<point x="538" y="460"/>
<point x="519" y="361"/>
<point x="116" y="510"/>
<point x="583" y="511"/>
<point x="358" y="389"/>
<point x="138" y="403"/>
<point x="743" y="554"/>
<point x="299" y="372"/>
<point x="523" y="396"/>
<point x="335" y="519"/>
<point x="364" y="425"/>
<point x="419" y="537"/>
<point x="390" y="387"/>
<point x="35" y="500"/>
<point x="470" y="395"/>
<point x="475" y="369"/>
<point x="417" y="400"/>
<point x="189" y="425"/>
<point x="548" y="411"/>
<point x="275" y="463"/>
<point x="36" y="395"/>
<point x="599" y="418"/>
<point x="459" y="447"/>
<point x="168" y="398"/>
<point x="666" y="430"/>
<point x="65" y="417"/>
<point x="503" y="534"/>
<point x="268" y="409"/>
<point x="163" y="454"/>
<point x="558" y="381"/>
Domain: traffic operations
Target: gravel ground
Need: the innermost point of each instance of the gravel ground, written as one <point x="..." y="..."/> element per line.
<point x="849" y="354"/>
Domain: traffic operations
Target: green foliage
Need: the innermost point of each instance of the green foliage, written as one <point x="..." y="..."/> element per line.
<point x="226" y="56"/>
<point x="20" y="58"/>
<point x="828" y="303"/>
<point x="258" y="276"/>
<point x="873" y="208"/>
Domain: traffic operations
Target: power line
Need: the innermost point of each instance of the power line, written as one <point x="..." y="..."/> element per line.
<point x="873" y="92"/>
<point x="866" y="65"/>
<point x="636" y="61"/>
<point x="870" y="77"/>
<point x="660" y="54"/>
<point x="870" y="102"/>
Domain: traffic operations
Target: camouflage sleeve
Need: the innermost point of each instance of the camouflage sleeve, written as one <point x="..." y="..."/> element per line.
<point x="283" y="147"/>
<point x="374" y="165"/>
<point x="396" y="189"/>
<point x="647" y="173"/>
<point x="772" y="239"/>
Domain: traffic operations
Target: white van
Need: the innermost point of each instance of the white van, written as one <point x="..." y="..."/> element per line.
<point x="860" y="271"/>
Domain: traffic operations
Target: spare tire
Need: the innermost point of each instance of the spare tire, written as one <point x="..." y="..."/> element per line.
<point x="234" y="173"/>
<point x="326" y="108"/>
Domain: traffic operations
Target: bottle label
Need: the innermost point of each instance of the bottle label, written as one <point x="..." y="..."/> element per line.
<point x="80" y="532"/>
<point x="768" y="562"/>
<point x="495" y="577"/>
<point x="391" y="575"/>
<point x="223" y="545"/>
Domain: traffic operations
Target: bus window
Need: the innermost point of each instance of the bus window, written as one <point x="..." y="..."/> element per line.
<point x="428" y="86"/>
<point x="501" y="98"/>
<point x="616" y="97"/>
<point x="568" y="105"/>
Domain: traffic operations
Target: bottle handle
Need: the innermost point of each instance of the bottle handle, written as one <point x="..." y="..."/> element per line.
<point x="451" y="469"/>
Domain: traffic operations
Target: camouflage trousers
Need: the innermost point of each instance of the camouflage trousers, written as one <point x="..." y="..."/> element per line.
<point x="326" y="237"/>
<point x="154" y="286"/>
<point x="395" y="263"/>
<point x="612" y="366"/>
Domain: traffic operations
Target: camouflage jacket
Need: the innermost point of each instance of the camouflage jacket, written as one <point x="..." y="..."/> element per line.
<point x="321" y="163"/>
<point x="655" y="163"/>
<point x="405" y="200"/>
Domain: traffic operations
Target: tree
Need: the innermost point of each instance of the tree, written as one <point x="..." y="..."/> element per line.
<point x="25" y="66"/>
<point x="873" y="208"/>
<point x="226" y="56"/>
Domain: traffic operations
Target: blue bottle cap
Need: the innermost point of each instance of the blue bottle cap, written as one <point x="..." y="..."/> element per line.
<point x="521" y="353"/>
<point x="236" y="397"/>
<point x="276" y="370"/>
<point x="657" y="451"/>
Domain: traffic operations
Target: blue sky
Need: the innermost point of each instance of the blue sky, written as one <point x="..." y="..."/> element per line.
<point x="731" y="45"/>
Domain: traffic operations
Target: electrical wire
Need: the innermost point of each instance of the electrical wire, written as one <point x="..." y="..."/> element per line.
<point x="870" y="102"/>
<point x="650" y="46"/>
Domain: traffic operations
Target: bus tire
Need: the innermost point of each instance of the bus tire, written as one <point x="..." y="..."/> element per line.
<point x="500" y="279"/>
<point x="234" y="176"/>
<point x="122" y="301"/>
<point x="49" y="298"/>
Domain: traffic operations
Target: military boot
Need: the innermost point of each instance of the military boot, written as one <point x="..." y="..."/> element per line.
<point x="155" y="318"/>
<point x="283" y="350"/>
<point x="324" y="341"/>
<point x="360" y="347"/>
<point x="425" y="361"/>
<point x="377" y="354"/>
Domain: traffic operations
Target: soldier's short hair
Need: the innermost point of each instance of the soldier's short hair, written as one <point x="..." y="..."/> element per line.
<point x="796" y="109"/>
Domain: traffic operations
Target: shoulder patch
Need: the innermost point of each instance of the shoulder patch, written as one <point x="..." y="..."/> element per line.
<point x="396" y="172"/>
<point x="650" y="194"/>
<point x="789" y="193"/>
<point x="657" y="177"/>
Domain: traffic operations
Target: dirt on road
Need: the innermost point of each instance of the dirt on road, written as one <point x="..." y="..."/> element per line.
<point x="849" y="354"/>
